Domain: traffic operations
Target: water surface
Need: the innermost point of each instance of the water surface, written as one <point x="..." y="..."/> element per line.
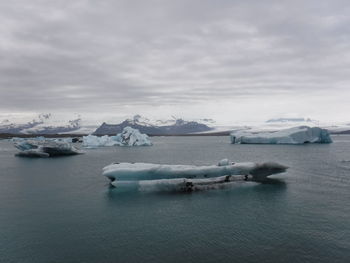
<point x="62" y="210"/>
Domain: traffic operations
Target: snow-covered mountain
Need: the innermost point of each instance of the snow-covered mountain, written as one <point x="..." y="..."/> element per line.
<point x="155" y="127"/>
<point x="75" y="124"/>
<point x="53" y="124"/>
<point x="285" y="123"/>
<point x="141" y="120"/>
<point x="44" y="124"/>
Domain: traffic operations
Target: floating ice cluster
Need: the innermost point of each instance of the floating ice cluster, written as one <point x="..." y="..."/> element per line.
<point x="41" y="147"/>
<point x="297" y="135"/>
<point x="128" y="137"/>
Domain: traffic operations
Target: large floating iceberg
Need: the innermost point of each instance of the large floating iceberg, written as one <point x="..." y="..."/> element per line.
<point x="44" y="148"/>
<point x="223" y="172"/>
<point x="297" y="135"/>
<point x="128" y="137"/>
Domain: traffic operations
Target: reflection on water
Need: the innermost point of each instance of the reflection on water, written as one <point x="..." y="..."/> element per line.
<point x="171" y="187"/>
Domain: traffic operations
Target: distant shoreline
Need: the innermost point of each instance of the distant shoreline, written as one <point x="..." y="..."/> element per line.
<point x="10" y="135"/>
<point x="222" y="133"/>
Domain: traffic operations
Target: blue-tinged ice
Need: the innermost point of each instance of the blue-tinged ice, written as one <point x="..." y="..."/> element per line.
<point x="44" y="148"/>
<point x="128" y="137"/>
<point x="296" y="135"/>
<point x="150" y="171"/>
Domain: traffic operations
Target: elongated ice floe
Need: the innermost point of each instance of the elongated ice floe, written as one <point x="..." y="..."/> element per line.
<point x="128" y="137"/>
<point x="45" y="148"/>
<point x="148" y="171"/>
<point x="297" y="135"/>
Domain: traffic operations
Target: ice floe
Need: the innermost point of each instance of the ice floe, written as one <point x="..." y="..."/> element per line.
<point x="150" y="171"/>
<point x="296" y="135"/>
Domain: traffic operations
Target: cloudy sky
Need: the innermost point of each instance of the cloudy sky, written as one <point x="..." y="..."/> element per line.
<point x="224" y="59"/>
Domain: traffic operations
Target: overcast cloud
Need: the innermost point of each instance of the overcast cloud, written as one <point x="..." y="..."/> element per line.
<point x="224" y="59"/>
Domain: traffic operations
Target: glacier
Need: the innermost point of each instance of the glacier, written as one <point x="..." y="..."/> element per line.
<point x="41" y="147"/>
<point x="128" y="137"/>
<point x="150" y="171"/>
<point x="295" y="135"/>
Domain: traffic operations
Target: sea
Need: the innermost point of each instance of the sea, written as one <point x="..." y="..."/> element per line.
<point x="63" y="210"/>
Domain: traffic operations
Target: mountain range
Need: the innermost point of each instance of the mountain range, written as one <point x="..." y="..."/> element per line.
<point x="43" y="124"/>
<point x="169" y="127"/>
<point x="49" y="124"/>
<point x="52" y="124"/>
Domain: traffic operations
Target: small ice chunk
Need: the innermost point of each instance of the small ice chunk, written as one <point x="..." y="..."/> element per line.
<point x="224" y="162"/>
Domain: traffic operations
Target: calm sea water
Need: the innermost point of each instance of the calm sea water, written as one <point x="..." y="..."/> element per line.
<point x="62" y="210"/>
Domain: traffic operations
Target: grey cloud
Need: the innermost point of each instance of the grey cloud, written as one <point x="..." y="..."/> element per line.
<point x="95" y="54"/>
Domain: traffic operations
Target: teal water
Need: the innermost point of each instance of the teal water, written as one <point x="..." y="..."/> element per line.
<point x="62" y="209"/>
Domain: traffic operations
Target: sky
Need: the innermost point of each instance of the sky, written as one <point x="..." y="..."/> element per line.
<point x="233" y="61"/>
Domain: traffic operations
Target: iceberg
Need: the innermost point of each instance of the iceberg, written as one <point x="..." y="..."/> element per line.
<point x="133" y="137"/>
<point x="24" y="145"/>
<point x="148" y="171"/>
<point x="128" y="137"/>
<point x="92" y="141"/>
<point x="296" y="135"/>
<point x="45" y="148"/>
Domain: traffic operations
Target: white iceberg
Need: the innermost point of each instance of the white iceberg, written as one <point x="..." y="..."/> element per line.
<point x="45" y="148"/>
<point x="149" y="171"/>
<point x="128" y="137"/>
<point x="133" y="137"/>
<point x="296" y="135"/>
